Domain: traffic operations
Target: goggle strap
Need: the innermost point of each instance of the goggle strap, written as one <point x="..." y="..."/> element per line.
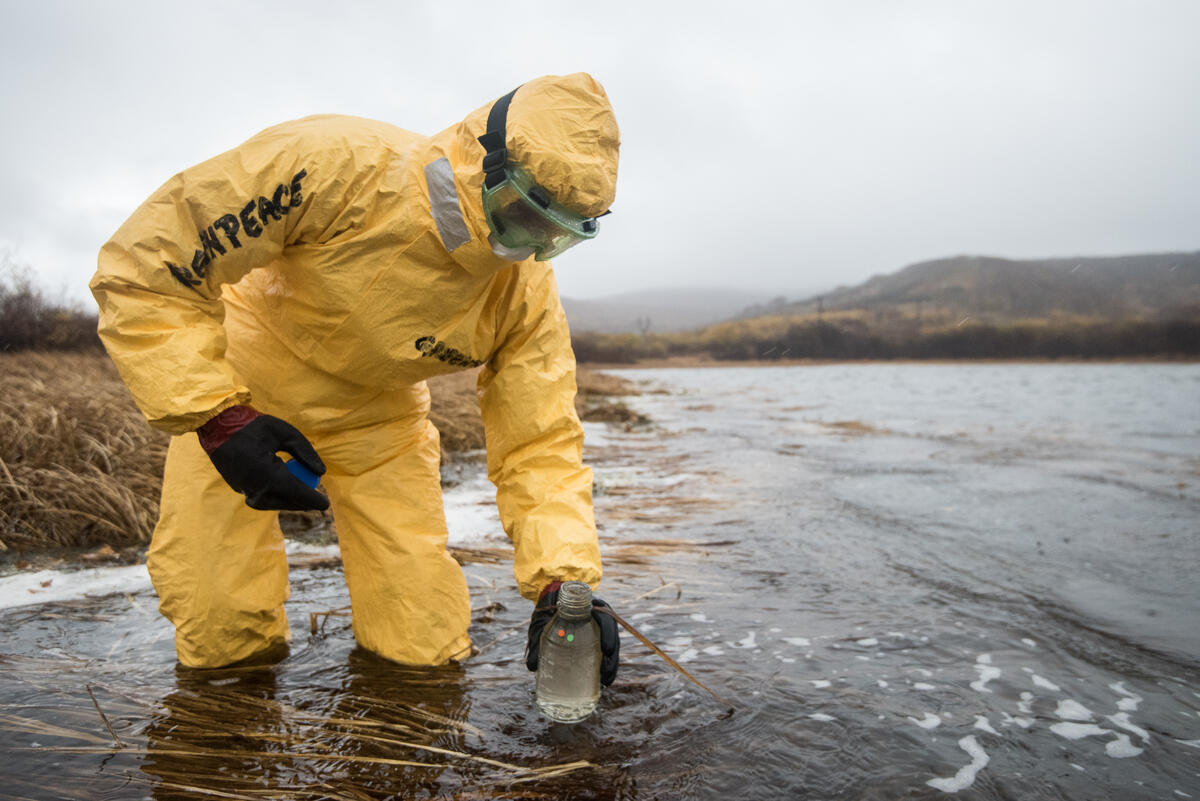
<point x="494" y="141"/>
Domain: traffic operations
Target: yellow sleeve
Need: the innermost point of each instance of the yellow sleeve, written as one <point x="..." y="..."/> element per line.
<point x="158" y="282"/>
<point x="535" y="442"/>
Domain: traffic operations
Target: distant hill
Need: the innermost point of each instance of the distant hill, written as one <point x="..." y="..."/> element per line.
<point x="659" y="310"/>
<point x="966" y="307"/>
<point x="998" y="289"/>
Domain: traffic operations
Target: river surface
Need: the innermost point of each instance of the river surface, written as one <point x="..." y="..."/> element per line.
<point x="911" y="581"/>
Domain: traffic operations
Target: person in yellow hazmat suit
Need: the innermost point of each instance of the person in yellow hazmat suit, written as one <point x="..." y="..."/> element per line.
<point x="293" y="294"/>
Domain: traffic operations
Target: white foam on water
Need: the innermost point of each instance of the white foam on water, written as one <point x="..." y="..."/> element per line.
<point x="1044" y="683"/>
<point x="1029" y="642"/>
<point x="881" y="682"/>
<point x="1122" y="720"/>
<point x="820" y="684"/>
<point x="926" y="673"/>
<point x="920" y="685"/>
<point x="471" y="514"/>
<point x="46" y="586"/>
<point x="1077" y="731"/>
<point x="966" y="774"/>
<point x="986" y="673"/>
<point x="899" y="634"/>
<point x="714" y="650"/>
<point x="1182" y="794"/>
<point x="798" y="641"/>
<point x="641" y="615"/>
<point x="298" y="548"/>
<point x="679" y="641"/>
<point x="1121" y="748"/>
<point x="687" y="656"/>
<point x="1079" y="768"/>
<point x="775" y="630"/>
<point x="821" y="716"/>
<point x="1024" y="723"/>
<point x="596" y="435"/>
<point x="981" y="722"/>
<point x="787" y="660"/>
<point x="1192" y="743"/>
<point x="867" y="641"/>
<point x="930" y="721"/>
<point x="861" y="658"/>
<point x="700" y="618"/>
<point x="1129" y="700"/>
<point x="1072" y="710"/>
<point x="746" y="642"/>
<point x="1025" y="706"/>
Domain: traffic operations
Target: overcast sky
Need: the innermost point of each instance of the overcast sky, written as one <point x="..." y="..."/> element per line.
<point x="784" y="147"/>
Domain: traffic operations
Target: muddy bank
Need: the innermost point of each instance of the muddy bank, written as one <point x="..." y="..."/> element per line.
<point x="455" y="407"/>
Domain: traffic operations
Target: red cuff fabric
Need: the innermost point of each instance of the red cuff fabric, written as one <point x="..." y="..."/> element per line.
<point x="214" y="433"/>
<point x="549" y="588"/>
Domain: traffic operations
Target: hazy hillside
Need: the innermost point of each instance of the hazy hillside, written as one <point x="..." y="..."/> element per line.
<point x="658" y="310"/>
<point x="1001" y="289"/>
<point x="967" y="307"/>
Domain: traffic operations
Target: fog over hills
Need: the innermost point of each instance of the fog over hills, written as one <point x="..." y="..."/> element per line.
<point x="659" y="311"/>
<point x="985" y="287"/>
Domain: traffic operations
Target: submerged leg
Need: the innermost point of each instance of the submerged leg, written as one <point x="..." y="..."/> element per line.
<point x="409" y="596"/>
<point x="219" y="566"/>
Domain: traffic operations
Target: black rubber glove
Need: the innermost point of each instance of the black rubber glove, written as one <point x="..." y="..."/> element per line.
<point x="247" y="462"/>
<point x="610" y="639"/>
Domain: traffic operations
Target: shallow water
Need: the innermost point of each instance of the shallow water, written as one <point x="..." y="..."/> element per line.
<point x="911" y="580"/>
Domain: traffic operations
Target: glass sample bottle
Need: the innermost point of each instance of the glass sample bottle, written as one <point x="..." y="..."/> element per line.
<point x="568" y="674"/>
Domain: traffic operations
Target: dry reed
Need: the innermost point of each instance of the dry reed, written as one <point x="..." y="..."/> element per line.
<point x="190" y="754"/>
<point x="78" y="464"/>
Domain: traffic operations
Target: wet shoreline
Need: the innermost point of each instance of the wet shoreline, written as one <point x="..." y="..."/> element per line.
<point x="874" y="563"/>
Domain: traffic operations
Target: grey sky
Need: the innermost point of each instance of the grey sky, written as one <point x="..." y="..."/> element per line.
<point x="784" y="147"/>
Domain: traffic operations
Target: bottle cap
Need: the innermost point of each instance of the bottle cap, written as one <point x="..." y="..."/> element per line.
<point x="575" y="599"/>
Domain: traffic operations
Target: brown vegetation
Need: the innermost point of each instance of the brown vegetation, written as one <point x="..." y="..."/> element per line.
<point x="893" y="334"/>
<point x="79" y="466"/>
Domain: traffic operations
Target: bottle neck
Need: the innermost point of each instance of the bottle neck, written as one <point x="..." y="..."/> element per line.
<point x="575" y="600"/>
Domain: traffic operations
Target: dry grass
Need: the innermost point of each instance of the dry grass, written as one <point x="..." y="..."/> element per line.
<point x="78" y="464"/>
<point x="79" y="467"/>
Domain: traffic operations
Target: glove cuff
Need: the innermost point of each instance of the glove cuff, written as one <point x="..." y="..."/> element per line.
<point x="553" y="586"/>
<point x="216" y="431"/>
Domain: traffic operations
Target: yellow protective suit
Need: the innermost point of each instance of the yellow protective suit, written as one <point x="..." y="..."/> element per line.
<point x="320" y="272"/>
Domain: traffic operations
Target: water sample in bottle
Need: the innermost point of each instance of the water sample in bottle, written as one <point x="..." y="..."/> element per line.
<point x="568" y="674"/>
